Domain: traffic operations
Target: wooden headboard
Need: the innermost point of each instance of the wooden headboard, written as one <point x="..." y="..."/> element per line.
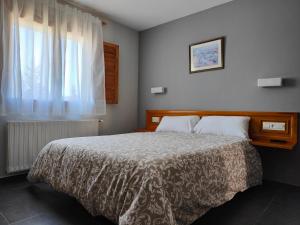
<point x="261" y="130"/>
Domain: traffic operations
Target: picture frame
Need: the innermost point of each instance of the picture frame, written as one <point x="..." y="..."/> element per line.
<point x="207" y="55"/>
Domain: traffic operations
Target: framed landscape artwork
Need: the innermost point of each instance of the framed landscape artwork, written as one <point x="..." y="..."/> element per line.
<point x="207" y="55"/>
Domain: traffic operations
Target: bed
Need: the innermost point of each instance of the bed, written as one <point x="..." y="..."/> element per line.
<point x="162" y="178"/>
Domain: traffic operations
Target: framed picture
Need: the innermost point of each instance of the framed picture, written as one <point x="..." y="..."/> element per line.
<point x="207" y="55"/>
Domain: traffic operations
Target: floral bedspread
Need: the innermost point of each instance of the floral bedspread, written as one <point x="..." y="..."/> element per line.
<point x="149" y="178"/>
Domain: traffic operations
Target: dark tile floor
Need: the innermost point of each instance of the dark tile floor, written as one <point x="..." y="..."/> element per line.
<point x="22" y="203"/>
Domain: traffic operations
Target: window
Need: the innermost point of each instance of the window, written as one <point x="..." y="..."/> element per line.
<point x="34" y="84"/>
<point x="53" y="60"/>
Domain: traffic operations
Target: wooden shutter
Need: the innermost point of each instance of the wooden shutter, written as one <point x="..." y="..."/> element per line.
<point x="111" y="59"/>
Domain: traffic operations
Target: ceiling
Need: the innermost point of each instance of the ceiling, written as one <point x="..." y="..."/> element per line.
<point x="143" y="14"/>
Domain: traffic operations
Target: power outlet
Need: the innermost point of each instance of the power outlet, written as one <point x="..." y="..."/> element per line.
<point x="155" y="119"/>
<point x="278" y="126"/>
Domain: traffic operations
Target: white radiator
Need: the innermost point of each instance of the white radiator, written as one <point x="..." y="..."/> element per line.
<point x="27" y="138"/>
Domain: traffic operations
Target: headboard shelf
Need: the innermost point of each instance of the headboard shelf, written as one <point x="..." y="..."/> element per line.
<point x="266" y="129"/>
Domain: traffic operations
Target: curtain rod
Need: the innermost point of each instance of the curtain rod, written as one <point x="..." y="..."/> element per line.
<point x="85" y="9"/>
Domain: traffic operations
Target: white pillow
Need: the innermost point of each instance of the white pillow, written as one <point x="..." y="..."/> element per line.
<point x="224" y="125"/>
<point x="183" y="124"/>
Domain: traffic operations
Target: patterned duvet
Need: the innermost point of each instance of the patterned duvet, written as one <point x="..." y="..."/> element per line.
<point x="149" y="178"/>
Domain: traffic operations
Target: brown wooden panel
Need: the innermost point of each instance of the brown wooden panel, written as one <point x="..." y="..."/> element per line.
<point x="286" y="139"/>
<point x="110" y="68"/>
<point x="110" y="80"/>
<point x="111" y="59"/>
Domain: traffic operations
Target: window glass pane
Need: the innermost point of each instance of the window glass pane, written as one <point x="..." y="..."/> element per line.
<point x="73" y="70"/>
<point x="36" y="75"/>
<point x="36" y="82"/>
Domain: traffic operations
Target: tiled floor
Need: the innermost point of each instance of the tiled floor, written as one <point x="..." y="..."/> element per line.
<point x="22" y="203"/>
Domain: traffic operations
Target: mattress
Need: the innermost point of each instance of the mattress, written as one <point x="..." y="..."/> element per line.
<point x="149" y="178"/>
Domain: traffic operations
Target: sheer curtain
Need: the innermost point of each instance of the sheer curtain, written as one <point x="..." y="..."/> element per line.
<point x="53" y="60"/>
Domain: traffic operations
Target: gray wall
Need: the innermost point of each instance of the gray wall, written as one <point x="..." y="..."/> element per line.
<point x="122" y="117"/>
<point x="262" y="40"/>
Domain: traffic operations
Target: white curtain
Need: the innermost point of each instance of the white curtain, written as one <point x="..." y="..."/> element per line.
<point x="53" y="60"/>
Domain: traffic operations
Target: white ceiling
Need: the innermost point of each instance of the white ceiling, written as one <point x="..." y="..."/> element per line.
<point x="144" y="14"/>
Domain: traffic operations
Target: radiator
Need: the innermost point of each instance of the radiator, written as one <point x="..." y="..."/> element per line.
<point x="27" y="138"/>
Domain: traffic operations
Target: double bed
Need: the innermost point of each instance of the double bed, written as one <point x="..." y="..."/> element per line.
<point x="163" y="178"/>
